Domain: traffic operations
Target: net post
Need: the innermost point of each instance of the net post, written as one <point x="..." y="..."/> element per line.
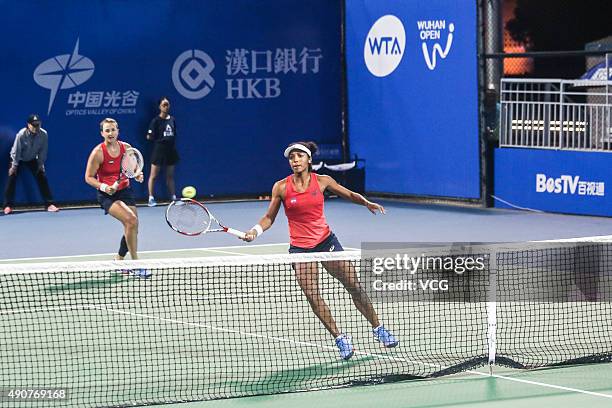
<point x="492" y="310"/>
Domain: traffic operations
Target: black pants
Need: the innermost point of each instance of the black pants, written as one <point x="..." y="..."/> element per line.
<point x="41" y="179"/>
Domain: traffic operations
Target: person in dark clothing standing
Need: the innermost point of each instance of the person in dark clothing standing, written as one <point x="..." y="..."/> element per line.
<point x="29" y="150"/>
<point x="162" y="130"/>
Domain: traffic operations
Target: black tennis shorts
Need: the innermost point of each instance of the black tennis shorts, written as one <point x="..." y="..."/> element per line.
<point x="164" y="154"/>
<point x="126" y="195"/>
<point x="329" y="244"/>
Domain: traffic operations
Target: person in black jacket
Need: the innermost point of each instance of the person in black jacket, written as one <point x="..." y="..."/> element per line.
<point x="162" y="130"/>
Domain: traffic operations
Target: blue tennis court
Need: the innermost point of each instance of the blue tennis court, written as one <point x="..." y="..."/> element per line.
<point x="405" y="222"/>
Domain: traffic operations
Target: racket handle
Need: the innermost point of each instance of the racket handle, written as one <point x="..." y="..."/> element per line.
<point x="235" y="233"/>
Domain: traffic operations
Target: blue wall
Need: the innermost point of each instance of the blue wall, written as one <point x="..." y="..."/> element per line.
<point x="417" y="127"/>
<point x="230" y="137"/>
<point x="549" y="180"/>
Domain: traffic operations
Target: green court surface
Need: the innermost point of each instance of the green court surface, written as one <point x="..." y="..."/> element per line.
<point x="584" y="386"/>
<point x="147" y="334"/>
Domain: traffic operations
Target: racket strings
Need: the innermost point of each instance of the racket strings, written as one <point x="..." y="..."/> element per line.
<point x="132" y="164"/>
<point x="188" y="218"/>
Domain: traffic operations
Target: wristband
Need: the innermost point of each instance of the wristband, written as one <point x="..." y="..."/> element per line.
<point x="258" y="230"/>
<point x="103" y="187"/>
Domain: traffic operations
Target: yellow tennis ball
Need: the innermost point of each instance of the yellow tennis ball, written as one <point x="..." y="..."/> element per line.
<point x="189" y="192"/>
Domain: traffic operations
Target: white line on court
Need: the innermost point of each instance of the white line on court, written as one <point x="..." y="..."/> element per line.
<point x="382" y="356"/>
<point x="541" y="384"/>
<point x="219" y="251"/>
<point x="62" y="308"/>
<point x="207" y="326"/>
<point x="211" y="249"/>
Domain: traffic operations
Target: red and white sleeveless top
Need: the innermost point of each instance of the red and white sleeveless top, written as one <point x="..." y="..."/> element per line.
<point x="109" y="170"/>
<point x="307" y="224"/>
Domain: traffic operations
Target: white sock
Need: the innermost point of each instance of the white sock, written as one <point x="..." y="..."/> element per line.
<point x="151" y="198"/>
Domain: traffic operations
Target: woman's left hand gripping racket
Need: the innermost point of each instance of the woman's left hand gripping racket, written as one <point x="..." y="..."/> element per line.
<point x="190" y="217"/>
<point x="132" y="164"/>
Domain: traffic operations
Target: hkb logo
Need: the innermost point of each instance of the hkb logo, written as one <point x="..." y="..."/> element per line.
<point x="63" y="72"/>
<point x="432" y="30"/>
<point x="191" y="74"/>
<point x="384" y="46"/>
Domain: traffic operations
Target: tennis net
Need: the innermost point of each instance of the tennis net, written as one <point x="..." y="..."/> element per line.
<point x="214" y="328"/>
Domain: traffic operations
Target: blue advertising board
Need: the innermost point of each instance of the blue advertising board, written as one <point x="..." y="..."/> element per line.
<point x="413" y="95"/>
<point x="244" y="78"/>
<point x="552" y="180"/>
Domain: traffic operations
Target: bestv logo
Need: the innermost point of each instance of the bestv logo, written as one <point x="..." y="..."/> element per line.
<point x="384" y="46"/>
<point x="63" y="72"/>
<point x="566" y="184"/>
<point x="430" y="30"/>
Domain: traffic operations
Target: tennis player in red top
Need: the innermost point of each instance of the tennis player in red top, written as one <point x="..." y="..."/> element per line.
<point x="302" y="196"/>
<point x="103" y="169"/>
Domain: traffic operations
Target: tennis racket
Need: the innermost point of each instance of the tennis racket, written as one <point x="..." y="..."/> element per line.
<point x="190" y="217"/>
<point x="132" y="164"/>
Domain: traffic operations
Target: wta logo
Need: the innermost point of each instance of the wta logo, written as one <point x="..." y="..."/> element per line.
<point x="384" y="46"/>
<point x="429" y="31"/>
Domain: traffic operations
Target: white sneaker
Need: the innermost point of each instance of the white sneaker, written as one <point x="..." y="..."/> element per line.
<point x="52" y="208"/>
<point x="152" y="202"/>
